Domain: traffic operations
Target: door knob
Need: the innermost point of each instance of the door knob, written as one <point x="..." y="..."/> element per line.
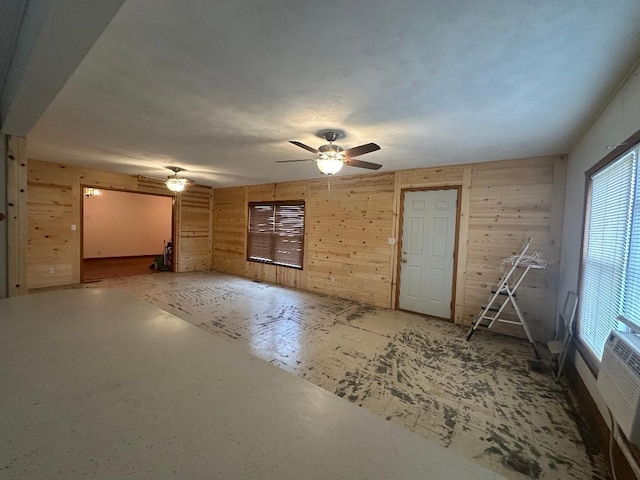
<point x="404" y="260"/>
<point x="404" y="252"/>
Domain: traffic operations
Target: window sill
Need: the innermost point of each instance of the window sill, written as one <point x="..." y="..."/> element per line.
<point x="589" y="358"/>
<point x="275" y="264"/>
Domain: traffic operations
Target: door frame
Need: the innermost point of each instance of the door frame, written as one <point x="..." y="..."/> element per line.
<point x="456" y="242"/>
<point x="174" y="207"/>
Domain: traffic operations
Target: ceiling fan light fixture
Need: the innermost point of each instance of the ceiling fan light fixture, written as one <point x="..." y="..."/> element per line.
<point x="331" y="157"/>
<point x="330" y="165"/>
<point x="176" y="184"/>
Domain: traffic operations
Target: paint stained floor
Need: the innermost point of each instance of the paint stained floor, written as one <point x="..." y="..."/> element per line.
<point x="476" y="398"/>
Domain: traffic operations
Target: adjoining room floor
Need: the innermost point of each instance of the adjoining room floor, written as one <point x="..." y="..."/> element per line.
<point x="98" y="268"/>
<point x="476" y="398"/>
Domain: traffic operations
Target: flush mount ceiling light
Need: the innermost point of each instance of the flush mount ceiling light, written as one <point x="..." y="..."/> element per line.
<point x="332" y="157"/>
<point x="174" y="182"/>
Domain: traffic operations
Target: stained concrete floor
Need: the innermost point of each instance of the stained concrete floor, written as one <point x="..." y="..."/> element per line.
<point x="476" y="398"/>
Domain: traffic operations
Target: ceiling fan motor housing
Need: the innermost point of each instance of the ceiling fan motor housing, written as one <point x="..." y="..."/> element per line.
<point x="331" y="151"/>
<point x="331" y="136"/>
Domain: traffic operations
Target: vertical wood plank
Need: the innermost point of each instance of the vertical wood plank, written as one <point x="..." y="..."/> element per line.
<point x="77" y="241"/>
<point x="463" y="239"/>
<point x="210" y="262"/>
<point x="17" y="216"/>
<point x="308" y="211"/>
<point x="177" y="228"/>
<point x="245" y="232"/>
<point x="395" y="233"/>
<point x="555" y="234"/>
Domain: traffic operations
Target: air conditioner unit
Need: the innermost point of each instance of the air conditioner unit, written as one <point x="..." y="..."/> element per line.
<point x="619" y="381"/>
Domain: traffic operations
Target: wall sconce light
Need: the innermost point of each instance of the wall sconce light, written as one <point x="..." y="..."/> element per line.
<point x="91" y="192"/>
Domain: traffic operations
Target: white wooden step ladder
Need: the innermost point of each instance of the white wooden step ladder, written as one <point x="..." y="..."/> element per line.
<point x="519" y="266"/>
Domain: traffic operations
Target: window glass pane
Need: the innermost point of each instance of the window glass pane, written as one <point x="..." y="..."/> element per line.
<point x="607" y="251"/>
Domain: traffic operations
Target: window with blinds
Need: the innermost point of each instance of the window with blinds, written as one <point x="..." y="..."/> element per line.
<point x="276" y="233"/>
<point x="611" y="255"/>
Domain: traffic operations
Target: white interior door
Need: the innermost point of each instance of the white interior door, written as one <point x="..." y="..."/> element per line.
<point x="428" y="239"/>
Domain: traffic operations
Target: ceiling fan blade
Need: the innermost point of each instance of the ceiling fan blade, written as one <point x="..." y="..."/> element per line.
<point x="302" y="160"/>
<point x="352" y="162"/>
<point x="361" y="150"/>
<point x="306" y="147"/>
<point x="158" y="179"/>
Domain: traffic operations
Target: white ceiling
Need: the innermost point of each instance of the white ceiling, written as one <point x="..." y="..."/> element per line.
<point x="220" y="87"/>
<point x="10" y="22"/>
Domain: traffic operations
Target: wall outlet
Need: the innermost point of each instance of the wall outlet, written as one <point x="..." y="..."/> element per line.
<point x="73" y="227"/>
<point x="51" y="270"/>
<point x="392" y="241"/>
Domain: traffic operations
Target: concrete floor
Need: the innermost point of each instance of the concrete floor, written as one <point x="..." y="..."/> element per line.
<point x="476" y="398"/>
<point x="132" y="391"/>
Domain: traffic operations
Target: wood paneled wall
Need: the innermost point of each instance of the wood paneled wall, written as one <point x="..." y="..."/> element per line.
<point x="194" y="225"/>
<point x="54" y="204"/>
<point x="348" y="224"/>
<point x="16" y="162"/>
<point x="230" y="217"/>
<point x="347" y="227"/>
<point x="229" y="230"/>
<point x="509" y="202"/>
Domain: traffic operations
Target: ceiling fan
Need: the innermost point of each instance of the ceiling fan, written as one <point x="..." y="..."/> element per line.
<point x="331" y="157"/>
<point x="174" y="182"/>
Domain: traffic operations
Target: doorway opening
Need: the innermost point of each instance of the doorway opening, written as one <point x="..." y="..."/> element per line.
<point x="125" y="234"/>
<point x="428" y="251"/>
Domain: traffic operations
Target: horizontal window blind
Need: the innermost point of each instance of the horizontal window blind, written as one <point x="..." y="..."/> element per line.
<point x="261" y="230"/>
<point x="631" y="304"/>
<point x="289" y="229"/>
<point x="276" y="233"/>
<point x="608" y="256"/>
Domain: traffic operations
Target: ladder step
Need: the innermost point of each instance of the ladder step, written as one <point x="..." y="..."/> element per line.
<point x="491" y="309"/>
<point x="555" y="347"/>
<point x="502" y="292"/>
